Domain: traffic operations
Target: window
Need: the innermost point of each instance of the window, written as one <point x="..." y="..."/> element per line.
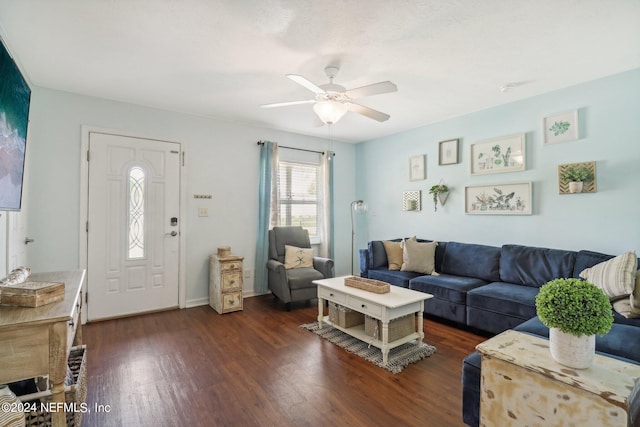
<point x="136" y="213"/>
<point x="298" y="196"/>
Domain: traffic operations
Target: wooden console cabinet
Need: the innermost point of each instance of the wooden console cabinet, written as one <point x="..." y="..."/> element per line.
<point x="37" y="341"/>
<point x="225" y="283"/>
<point x="522" y="385"/>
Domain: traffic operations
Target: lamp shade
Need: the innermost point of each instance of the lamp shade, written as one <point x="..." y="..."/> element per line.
<point x="359" y="206"/>
<point x="330" y="111"/>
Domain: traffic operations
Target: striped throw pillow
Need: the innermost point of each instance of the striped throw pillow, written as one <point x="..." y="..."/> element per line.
<point x="630" y="307"/>
<point x="616" y="277"/>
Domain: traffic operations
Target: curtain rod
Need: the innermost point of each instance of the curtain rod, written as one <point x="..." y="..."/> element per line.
<point x="294" y="148"/>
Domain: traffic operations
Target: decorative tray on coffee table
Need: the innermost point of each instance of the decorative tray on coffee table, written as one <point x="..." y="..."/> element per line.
<point x="369" y="285"/>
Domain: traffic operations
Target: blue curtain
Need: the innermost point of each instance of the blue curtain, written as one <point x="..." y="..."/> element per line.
<point x="264" y="214"/>
<point x="332" y="158"/>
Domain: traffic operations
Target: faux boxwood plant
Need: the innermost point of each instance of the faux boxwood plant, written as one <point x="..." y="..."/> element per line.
<point x="579" y="173"/>
<point x="574" y="306"/>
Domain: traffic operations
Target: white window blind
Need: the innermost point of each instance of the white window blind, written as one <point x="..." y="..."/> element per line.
<point x="298" y="194"/>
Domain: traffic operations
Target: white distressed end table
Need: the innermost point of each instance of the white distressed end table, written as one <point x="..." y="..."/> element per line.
<point x="384" y="307"/>
<point x="522" y="385"/>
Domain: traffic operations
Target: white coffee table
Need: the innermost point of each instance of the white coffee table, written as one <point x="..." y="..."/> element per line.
<point x="384" y="307"/>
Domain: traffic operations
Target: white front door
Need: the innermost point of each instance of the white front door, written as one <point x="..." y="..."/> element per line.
<point x="133" y="225"/>
<point x="17" y="239"/>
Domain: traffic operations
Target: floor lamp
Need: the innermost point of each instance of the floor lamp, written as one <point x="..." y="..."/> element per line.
<point x="357" y="207"/>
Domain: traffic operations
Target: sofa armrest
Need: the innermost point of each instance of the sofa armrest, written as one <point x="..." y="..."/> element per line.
<point x="324" y="266"/>
<point x="275" y="266"/>
<point x="277" y="276"/>
<point x="364" y="262"/>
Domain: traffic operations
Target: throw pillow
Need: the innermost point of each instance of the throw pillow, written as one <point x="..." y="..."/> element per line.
<point x="418" y="257"/>
<point x="634" y="298"/>
<point x="394" y="254"/>
<point x="295" y="257"/>
<point x="616" y="277"/>
<point x="630" y="307"/>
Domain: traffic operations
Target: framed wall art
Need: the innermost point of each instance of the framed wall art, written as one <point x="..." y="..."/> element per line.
<point x="448" y="152"/>
<point x="561" y="127"/>
<point x="417" y="171"/>
<point x="498" y="199"/>
<point x="412" y="200"/>
<point x="498" y="155"/>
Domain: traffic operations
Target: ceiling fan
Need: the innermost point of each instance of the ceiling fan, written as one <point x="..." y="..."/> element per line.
<point x="332" y="101"/>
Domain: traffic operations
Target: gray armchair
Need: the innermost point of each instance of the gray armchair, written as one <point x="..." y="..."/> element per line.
<point x="294" y="284"/>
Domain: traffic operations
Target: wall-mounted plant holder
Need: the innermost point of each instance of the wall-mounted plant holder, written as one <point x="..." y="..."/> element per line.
<point x="440" y="193"/>
<point x="412" y="200"/>
<point x="588" y="185"/>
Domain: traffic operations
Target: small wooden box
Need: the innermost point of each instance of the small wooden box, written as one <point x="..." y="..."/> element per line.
<point x="32" y="294"/>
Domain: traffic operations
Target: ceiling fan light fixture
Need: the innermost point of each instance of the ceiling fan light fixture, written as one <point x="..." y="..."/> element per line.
<point x="330" y="111"/>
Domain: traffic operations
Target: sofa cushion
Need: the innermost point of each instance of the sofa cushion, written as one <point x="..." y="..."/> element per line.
<point x="504" y="298"/>
<point x="531" y="266"/>
<point x="300" y="278"/>
<point x="394" y="254"/>
<point x="471" y="260"/>
<point x="616" y="277"/>
<point x="586" y="259"/>
<point x="446" y="286"/>
<point x="418" y="257"/>
<point x="398" y="278"/>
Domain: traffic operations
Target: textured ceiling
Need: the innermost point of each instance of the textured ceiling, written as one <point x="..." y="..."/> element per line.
<point x="223" y="58"/>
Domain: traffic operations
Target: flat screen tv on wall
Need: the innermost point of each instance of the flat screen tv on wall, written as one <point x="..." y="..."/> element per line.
<point x="15" y="96"/>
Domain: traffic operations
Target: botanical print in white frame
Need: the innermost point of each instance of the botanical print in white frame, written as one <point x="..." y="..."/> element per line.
<point x="448" y="152"/>
<point x="561" y="127"/>
<point x="417" y="171"/>
<point x="498" y="155"/>
<point x="498" y="199"/>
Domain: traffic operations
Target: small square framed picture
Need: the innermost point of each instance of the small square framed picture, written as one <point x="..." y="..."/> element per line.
<point x="561" y="127"/>
<point x="417" y="171"/>
<point x="448" y="152"/>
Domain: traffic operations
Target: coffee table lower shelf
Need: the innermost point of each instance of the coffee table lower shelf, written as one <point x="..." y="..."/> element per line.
<point x="358" y="332"/>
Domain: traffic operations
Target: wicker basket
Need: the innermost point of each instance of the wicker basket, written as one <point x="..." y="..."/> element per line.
<point x="398" y="328"/>
<point x="369" y="285"/>
<point x="343" y="316"/>
<point x="75" y="395"/>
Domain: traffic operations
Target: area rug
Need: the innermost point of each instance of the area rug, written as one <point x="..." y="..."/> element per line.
<point x="398" y="359"/>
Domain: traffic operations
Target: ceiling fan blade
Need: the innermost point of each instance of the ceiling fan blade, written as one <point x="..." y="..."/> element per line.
<point x="285" y="104"/>
<point x="374" y="89"/>
<point x="368" y="112"/>
<point x="302" y="81"/>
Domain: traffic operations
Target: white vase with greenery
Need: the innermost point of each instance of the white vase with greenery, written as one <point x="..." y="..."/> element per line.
<point x="575" y="311"/>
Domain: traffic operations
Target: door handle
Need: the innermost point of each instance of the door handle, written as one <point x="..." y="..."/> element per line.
<point x="28" y="240"/>
<point x="174" y="233"/>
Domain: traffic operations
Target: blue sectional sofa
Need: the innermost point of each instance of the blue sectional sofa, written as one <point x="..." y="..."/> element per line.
<point x="493" y="289"/>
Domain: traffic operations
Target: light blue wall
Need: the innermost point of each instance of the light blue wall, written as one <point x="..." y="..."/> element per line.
<point x="606" y="221"/>
<point x="222" y="160"/>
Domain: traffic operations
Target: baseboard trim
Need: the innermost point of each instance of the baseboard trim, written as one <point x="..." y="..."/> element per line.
<point x="205" y="300"/>
<point x="197" y="302"/>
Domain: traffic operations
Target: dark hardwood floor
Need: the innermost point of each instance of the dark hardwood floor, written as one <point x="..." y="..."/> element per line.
<point x="257" y="367"/>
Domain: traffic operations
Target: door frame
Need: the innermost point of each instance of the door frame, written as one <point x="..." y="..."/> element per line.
<point x="84" y="208"/>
